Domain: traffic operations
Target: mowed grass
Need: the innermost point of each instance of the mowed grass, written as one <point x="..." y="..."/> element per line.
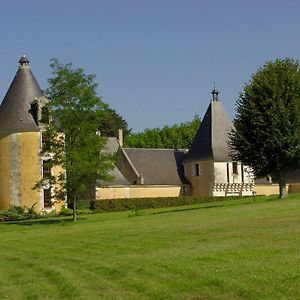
<point x="227" y="250"/>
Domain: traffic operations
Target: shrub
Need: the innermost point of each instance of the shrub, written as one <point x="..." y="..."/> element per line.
<point x="17" y="213"/>
<point x="143" y="203"/>
<point x="83" y="204"/>
<point x="66" y="212"/>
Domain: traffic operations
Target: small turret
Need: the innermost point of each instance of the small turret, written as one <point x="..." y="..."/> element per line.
<point x="215" y="94"/>
<point x="23" y="61"/>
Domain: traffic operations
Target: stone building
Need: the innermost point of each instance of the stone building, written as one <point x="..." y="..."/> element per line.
<point x="207" y="166"/>
<point x="206" y="169"/>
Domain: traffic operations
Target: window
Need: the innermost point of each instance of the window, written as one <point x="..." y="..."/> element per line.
<point x="34" y="112"/>
<point x="46" y="169"/>
<point x="47" y="190"/>
<point x="197" y="169"/>
<point x="45" y="142"/>
<point x="47" y="198"/>
<point x="235" y="168"/>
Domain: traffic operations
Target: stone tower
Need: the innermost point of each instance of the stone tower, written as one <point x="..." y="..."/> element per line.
<point x="22" y="114"/>
<point x="208" y="166"/>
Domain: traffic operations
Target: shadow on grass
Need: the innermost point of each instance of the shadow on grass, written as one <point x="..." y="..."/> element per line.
<point x="42" y="222"/>
<point x="210" y="206"/>
<point x="183" y="209"/>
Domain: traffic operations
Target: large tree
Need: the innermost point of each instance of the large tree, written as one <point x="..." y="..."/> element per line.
<point x="177" y="136"/>
<point x="111" y="121"/>
<point x="77" y="111"/>
<point x="267" y="124"/>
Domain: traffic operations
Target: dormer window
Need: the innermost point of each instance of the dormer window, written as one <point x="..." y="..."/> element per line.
<point x="34" y="110"/>
<point x="39" y="112"/>
<point x="44" y="115"/>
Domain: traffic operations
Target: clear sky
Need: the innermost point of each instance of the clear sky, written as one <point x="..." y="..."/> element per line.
<point x="155" y="60"/>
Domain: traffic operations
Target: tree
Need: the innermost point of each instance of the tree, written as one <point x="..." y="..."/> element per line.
<point x="77" y="111"/>
<point x="111" y="121"/>
<point x="267" y="124"/>
<point x="174" y="137"/>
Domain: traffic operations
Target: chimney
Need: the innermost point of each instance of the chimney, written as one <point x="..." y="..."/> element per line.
<point x="120" y="136"/>
<point x="141" y="179"/>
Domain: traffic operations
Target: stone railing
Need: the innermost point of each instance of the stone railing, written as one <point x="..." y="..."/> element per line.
<point x="233" y="188"/>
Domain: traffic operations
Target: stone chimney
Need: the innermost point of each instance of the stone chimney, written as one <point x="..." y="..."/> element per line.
<point x="120" y="136"/>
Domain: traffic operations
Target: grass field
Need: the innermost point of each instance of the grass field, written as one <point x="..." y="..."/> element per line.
<point x="227" y="250"/>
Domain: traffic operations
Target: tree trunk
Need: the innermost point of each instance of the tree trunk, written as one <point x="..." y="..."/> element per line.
<point x="74" y="208"/>
<point x="282" y="187"/>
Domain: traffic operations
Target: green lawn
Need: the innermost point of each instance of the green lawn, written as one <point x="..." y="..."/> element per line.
<point x="227" y="250"/>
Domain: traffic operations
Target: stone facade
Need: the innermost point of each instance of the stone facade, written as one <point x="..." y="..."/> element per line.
<point x="21" y="161"/>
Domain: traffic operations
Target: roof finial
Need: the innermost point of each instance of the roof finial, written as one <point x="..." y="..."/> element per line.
<point x="215" y="93"/>
<point x="23" y="61"/>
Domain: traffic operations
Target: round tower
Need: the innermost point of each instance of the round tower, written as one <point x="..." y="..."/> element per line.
<point x="20" y="142"/>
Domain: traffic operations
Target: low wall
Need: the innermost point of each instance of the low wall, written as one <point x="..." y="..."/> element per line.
<point x="273" y="189"/>
<point x="137" y="192"/>
<point x="294" y="188"/>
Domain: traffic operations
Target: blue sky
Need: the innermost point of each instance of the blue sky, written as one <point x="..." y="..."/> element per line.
<point x="155" y="61"/>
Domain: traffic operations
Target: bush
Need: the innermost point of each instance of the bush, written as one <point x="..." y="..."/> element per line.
<point x="69" y="211"/>
<point x="66" y="212"/>
<point x="143" y="203"/>
<point x="83" y="204"/>
<point x="16" y="213"/>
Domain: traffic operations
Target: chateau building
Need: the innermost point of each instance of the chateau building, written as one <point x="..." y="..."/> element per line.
<point x="205" y="169"/>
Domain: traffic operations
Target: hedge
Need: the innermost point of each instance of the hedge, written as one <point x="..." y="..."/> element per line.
<point x="109" y="205"/>
<point x="82" y="204"/>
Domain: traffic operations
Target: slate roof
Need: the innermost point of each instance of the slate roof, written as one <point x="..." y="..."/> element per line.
<point x="15" y="113"/>
<point x="112" y="147"/>
<point x="158" y="166"/>
<point x="210" y="142"/>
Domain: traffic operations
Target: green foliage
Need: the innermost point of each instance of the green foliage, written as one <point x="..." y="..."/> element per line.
<point x="66" y="212"/>
<point x="84" y="204"/>
<point x="267" y="123"/>
<point x="174" y="137"/>
<point x="17" y="213"/>
<point x="77" y="111"/>
<point x="69" y="211"/>
<point x="111" y="121"/>
<point x="135" y="204"/>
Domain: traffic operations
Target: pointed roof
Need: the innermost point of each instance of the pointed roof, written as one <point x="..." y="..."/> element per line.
<point x="15" y="115"/>
<point x="211" y="139"/>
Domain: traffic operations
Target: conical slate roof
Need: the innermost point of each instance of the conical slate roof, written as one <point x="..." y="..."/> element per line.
<point x="211" y="139"/>
<point x="15" y="115"/>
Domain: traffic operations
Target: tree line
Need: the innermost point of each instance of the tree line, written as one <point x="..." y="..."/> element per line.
<point x="177" y="136"/>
